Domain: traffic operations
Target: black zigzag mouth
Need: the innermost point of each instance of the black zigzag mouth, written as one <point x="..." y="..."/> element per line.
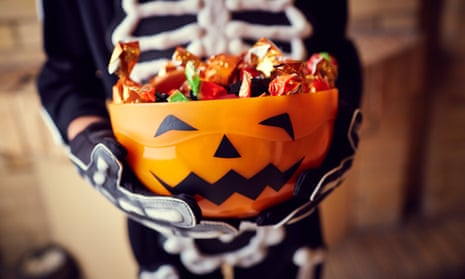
<point x="232" y="182"/>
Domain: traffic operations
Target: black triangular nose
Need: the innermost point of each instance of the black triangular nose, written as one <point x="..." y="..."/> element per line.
<point x="226" y="149"/>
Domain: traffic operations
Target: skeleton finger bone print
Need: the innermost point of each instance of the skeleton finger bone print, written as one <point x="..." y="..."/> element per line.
<point x="209" y="27"/>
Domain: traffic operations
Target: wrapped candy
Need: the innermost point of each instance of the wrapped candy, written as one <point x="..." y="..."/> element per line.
<point x="324" y="68"/>
<point x="181" y="56"/>
<point x="210" y="91"/>
<point x="286" y="84"/>
<point x="264" y="55"/>
<point x="164" y="82"/>
<point x="124" y="58"/>
<point x="263" y="70"/>
<point x="220" y="68"/>
<point x="128" y="91"/>
<point x="122" y="61"/>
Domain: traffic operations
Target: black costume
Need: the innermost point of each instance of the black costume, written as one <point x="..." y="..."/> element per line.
<point x="74" y="82"/>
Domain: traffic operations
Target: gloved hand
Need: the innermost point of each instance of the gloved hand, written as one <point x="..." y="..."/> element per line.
<point x="100" y="159"/>
<point x="313" y="185"/>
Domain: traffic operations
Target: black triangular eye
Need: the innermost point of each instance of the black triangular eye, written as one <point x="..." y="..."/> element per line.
<point x="281" y="121"/>
<point x="170" y="123"/>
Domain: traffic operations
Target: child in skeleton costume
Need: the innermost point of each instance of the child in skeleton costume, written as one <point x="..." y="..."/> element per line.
<point x="169" y="236"/>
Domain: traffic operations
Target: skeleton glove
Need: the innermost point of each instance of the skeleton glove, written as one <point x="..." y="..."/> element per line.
<point x="100" y="159"/>
<point x="313" y="185"/>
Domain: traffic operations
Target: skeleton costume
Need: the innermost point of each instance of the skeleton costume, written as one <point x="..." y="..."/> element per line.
<point x="169" y="237"/>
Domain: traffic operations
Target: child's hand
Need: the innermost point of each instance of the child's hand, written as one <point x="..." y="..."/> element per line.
<point x="101" y="161"/>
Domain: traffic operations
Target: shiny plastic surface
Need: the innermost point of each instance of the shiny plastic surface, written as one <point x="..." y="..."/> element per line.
<point x="235" y="156"/>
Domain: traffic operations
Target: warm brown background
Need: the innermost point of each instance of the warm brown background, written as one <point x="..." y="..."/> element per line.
<point x="408" y="180"/>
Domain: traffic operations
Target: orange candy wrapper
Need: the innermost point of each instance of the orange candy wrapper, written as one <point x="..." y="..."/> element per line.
<point x="264" y="61"/>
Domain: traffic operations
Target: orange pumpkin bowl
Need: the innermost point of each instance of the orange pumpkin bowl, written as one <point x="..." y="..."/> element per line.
<point x="237" y="157"/>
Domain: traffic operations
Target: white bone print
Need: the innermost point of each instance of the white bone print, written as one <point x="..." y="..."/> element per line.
<point x="251" y="254"/>
<point x="307" y="259"/>
<point x="214" y="32"/>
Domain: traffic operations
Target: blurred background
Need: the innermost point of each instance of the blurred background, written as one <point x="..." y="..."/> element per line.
<point x="400" y="213"/>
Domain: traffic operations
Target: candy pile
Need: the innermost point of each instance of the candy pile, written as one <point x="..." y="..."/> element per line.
<point x="263" y="70"/>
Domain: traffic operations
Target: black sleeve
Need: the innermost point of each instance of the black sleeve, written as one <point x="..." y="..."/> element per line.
<point x="329" y="20"/>
<point x="68" y="84"/>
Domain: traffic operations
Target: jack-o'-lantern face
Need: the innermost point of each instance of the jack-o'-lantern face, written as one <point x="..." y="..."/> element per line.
<point x="235" y="156"/>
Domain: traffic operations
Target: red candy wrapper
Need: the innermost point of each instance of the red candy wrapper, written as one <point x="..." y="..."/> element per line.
<point x="285" y="84"/>
<point x="324" y="68"/>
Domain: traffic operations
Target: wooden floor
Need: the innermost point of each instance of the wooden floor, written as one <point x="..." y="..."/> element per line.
<point x="423" y="250"/>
